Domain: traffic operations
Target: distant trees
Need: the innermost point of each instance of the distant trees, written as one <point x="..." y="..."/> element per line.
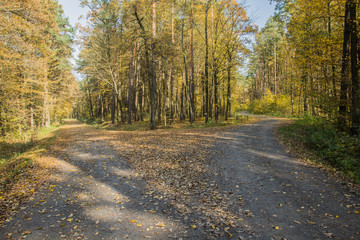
<point x="36" y="83"/>
<point x="307" y="55"/>
<point x="161" y="59"/>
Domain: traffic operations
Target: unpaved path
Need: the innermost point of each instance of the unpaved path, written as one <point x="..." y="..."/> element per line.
<point x="234" y="183"/>
<point x="284" y="198"/>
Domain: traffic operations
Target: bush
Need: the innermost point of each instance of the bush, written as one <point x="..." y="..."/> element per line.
<point x="325" y="144"/>
<point x="271" y="104"/>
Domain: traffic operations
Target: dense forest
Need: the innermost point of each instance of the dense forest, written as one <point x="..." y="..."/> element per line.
<point x="37" y="87"/>
<point x="161" y="59"/>
<point x="305" y="61"/>
<point x="157" y="61"/>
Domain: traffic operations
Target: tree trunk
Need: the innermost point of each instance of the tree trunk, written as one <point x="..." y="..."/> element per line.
<point x="172" y="63"/>
<point x="216" y="94"/>
<point x="165" y="95"/>
<point x="130" y="88"/>
<point x="160" y="93"/>
<point x="152" y="77"/>
<point x="354" y="70"/>
<point x="345" y="70"/>
<point x="192" y="70"/>
<point x="275" y="72"/>
<point x="206" y="77"/>
<point x="182" y="110"/>
<point x="113" y="105"/>
<point x="228" y="97"/>
<point x="102" y="107"/>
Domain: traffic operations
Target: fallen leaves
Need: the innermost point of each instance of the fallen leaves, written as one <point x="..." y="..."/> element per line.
<point x="176" y="176"/>
<point x="180" y="179"/>
<point x="27" y="232"/>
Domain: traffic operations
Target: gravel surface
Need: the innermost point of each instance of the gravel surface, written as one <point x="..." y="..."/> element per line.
<point x="284" y="198"/>
<point x="257" y="190"/>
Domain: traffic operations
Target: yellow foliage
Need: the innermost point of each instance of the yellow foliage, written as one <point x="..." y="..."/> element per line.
<point x="280" y="104"/>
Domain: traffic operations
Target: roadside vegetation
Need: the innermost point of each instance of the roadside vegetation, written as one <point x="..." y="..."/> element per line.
<point x="177" y="124"/>
<point x="20" y="152"/>
<point x="20" y="173"/>
<point x="319" y="141"/>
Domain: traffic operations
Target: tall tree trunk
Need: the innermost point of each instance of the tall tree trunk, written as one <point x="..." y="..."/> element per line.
<point x="206" y="77"/>
<point x="102" y="107"/>
<point x="192" y="70"/>
<point x="152" y="77"/>
<point x="113" y="105"/>
<point x="182" y="107"/>
<point x="160" y="93"/>
<point x="228" y="97"/>
<point x="172" y="63"/>
<point x="275" y="72"/>
<point x="141" y="101"/>
<point x="216" y="92"/>
<point x="165" y="95"/>
<point x="355" y="128"/>
<point x="135" y="83"/>
<point x="304" y="84"/>
<point x="345" y="70"/>
<point x="121" y="110"/>
<point x="130" y="88"/>
<point x="185" y="73"/>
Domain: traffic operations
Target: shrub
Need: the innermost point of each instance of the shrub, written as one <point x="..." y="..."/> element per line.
<point x="325" y="144"/>
<point x="271" y="104"/>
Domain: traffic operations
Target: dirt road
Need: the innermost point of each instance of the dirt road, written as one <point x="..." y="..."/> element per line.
<point x="233" y="183"/>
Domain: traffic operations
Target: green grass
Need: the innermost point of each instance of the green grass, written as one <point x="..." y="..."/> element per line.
<point x="325" y="145"/>
<point x="178" y="124"/>
<point x="19" y="152"/>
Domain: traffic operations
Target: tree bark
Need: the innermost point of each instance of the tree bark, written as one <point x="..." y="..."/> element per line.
<point x="228" y="97"/>
<point x="192" y="70"/>
<point x="172" y="63"/>
<point x="130" y="87"/>
<point x="113" y="105"/>
<point x="206" y="77"/>
<point x="354" y="70"/>
<point x="345" y="70"/>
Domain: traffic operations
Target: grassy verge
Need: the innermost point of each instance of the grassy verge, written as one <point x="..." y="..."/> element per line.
<point x="317" y="140"/>
<point x="19" y="152"/>
<point x="20" y="173"/>
<point x="178" y="124"/>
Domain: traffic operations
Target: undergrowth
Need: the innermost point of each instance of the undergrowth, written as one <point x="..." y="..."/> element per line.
<point x="17" y="152"/>
<point x="324" y="144"/>
<point x="177" y="124"/>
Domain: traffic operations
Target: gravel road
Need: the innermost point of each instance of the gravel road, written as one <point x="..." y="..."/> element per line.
<point x="95" y="193"/>
<point x="283" y="197"/>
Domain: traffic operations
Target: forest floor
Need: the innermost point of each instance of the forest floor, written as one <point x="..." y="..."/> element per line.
<point x="233" y="182"/>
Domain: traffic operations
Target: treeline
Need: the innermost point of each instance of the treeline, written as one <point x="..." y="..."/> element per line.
<point x="305" y="61"/>
<point x="36" y="83"/>
<point x="161" y="60"/>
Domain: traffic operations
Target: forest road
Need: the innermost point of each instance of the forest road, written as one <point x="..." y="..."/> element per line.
<point x="284" y="198"/>
<point x="228" y="183"/>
